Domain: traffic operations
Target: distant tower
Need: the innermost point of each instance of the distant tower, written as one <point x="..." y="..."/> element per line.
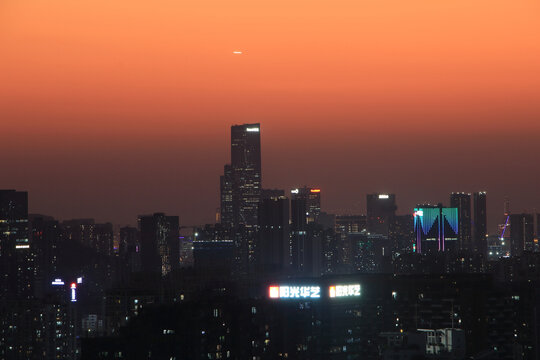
<point x="312" y="199"/>
<point x="16" y="261"/>
<point x="462" y="202"/>
<point x="226" y="190"/>
<point x="381" y="210"/>
<point x="246" y="173"/>
<point x="480" y="221"/>
<point x="436" y="228"/>
<point x="273" y="246"/>
<point x="521" y="233"/>
<point x="160" y="244"/>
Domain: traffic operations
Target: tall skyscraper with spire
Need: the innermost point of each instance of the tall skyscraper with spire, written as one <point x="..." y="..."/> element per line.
<point x="240" y="187"/>
<point x="241" y="182"/>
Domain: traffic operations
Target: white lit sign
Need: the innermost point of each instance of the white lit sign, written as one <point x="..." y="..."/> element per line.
<point x="344" y="290"/>
<point x="79" y="280"/>
<point x="294" y="292"/>
<point x="22" y="246"/>
<point x="57" y="282"/>
<point x="384" y="196"/>
<point x="419" y="213"/>
<point x="295" y="191"/>
<point x="255" y="129"/>
<point x="73" y="294"/>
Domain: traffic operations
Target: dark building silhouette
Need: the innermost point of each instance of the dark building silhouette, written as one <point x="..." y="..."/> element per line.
<point x="240" y="188"/>
<point x="129" y="249"/>
<point x="16" y="259"/>
<point x="350" y="223"/>
<point x="381" y="209"/>
<point x="401" y="233"/>
<point x="246" y="173"/>
<point x="273" y="243"/>
<point x="312" y="198"/>
<point x="306" y="241"/>
<point x="160" y="247"/>
<point x="462" y="202"/>
<point x="213" y="250"/>
<point x="226" y="194"/>
<point x="521" y="233"/>
<point x="45" y="242"/>
<point x="480" y="221"/>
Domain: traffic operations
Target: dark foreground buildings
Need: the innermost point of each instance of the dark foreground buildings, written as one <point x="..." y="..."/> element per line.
<point x="277" y="277"/>
<point x="335" y="317"/>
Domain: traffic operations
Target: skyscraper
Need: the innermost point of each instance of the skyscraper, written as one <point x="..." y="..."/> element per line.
<point x="312" y="199"/>
<point x="240" y="188"/>
<point x="16" y="262"/>
<point x="480" y="222"/>
<point x="226" y="192"/>
<point x="273" y="246"/>
<point x="521" y="233"/>
<point x="436" y="228"/>
<point x="462" y="202"/>
<point x="246" y="173"/>
<point x="381" y="209"/>
<point x="160" y="246"/>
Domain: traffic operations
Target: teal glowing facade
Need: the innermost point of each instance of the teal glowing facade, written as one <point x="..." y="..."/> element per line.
<point x="436" y="228"/>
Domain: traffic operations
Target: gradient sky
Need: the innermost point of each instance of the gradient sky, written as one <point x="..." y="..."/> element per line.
<point x="113" y="108"/>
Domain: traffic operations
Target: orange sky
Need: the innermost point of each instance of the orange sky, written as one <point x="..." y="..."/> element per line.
<point x="99" y="98"/>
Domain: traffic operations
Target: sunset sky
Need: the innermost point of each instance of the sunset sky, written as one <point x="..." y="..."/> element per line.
<point x="114" y="108"/>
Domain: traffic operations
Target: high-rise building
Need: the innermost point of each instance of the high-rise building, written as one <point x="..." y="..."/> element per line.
<point x="480" y="222"/>
<point x="16" y="259"/>
<point x="462" y="201"/>
<point x="306" y="238"/>
<point x="226" y="192"/>
<point x="521" y="233"/>
<point x="160" y="247"/>
<point x="273" y="245"/>
<point x="401" y="233"/>
<point x="299" y="239"/>
<point x="436" y="228"/>
<point x="45" y="243"/>
<point x="129" y="249"/>
<point x="350" y="223"/>
<point x="312" y="198"/>
<point x="240" y="188"/>
<point x="381" y="209"/>
<point x="246" y="173"/>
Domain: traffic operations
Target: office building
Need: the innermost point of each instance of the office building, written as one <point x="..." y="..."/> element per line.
<point x="273" y="244"/>
<point x="462" y="201"/>
<point x="226" y="194"/>
<point x="436" y="228"/>
<point x="312" y="200"/>
<point x="306" y="240"/>
<point x="521" y="233"/>
<point x="480" y="222"/>
<point x="246" y="173"/>
<point x="160" y="247"/>
<point x="350" y="223"/>
<point x="16" y="259"/>
<point x="381" y="209"/>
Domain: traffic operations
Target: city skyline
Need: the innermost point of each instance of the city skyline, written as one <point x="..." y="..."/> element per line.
<point x="359" y="206"/>
<point x="305" y="179"/>
<point x="415" y="98"/>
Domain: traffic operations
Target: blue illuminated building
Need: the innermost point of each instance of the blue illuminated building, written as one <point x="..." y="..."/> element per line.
<point x="436" y="228"/>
